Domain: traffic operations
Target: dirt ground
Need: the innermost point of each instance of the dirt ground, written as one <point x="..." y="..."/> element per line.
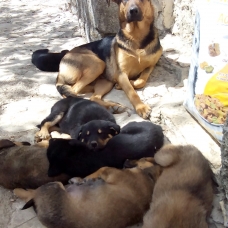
<point x="27" y="94"/>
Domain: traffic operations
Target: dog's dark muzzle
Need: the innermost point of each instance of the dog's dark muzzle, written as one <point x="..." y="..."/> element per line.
<point x="134" y="14"/>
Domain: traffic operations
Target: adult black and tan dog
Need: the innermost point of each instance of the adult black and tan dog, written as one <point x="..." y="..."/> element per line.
<point x="79" y="118"/>
<point x="135" y="140"/>
<point x="126" y="59"/>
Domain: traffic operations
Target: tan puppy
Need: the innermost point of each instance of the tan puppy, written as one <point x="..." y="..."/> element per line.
<point x="183" y="194"/>
<point x="24" y="166"/>
<point x="109" y="198"/>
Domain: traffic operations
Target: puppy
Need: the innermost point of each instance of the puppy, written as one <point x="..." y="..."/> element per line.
<point x="114" y="199"/>
<point x="183" y="194"/>
<point x="72" y="113"/>
<point x="23" y="166"/>
<point x="135" y="140"/>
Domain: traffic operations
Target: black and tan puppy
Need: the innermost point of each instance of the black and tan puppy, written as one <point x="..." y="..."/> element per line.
<point x="115" y="199"/>
<point x="126" y="59"/>
<point x="183" y="194"/>
<point x="23" y="166"/>
<point x="135" y="141"/>
<point x="77" y="116"/>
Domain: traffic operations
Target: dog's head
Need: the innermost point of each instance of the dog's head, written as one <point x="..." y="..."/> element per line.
<point x="133" y="10"/>
<point x="60" y="153"/>
<point x="148" y="165"/>
<point x="96" y="133"/>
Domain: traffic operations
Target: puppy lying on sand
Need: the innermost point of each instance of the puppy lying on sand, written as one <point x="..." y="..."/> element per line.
<point x="183" y="194"/>
<point x="23" y="166"/>
<point x="135" y="141"/>
<point x="115" y="199"/>
<point x="75" y="116"/>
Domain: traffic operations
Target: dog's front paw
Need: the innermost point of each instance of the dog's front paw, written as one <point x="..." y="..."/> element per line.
<point x="42" y="134"/>
<point x="138" y="84"/>
<point x="143" y="110"/>
<point x="76" y="180"/>
<point x="117" y="86"/>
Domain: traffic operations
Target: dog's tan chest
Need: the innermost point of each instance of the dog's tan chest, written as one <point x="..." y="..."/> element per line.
<point x="133" y="64"/>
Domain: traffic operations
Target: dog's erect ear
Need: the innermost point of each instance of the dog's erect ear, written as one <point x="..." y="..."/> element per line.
<point x="114" y="129"/>
<point x="116" y="1"/>
<point x="29" y="204"/>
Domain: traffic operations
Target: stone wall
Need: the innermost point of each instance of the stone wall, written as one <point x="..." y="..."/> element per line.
<point x="98" y="20"/>
<point x="224" y="173"/>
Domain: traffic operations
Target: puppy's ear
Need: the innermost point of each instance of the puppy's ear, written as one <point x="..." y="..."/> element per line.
<point x="116" y="1"/>
<point x="53" y="171"/>
<point x="29" y="204"/>
<point x="5" y="143"/>
<point x="114" y="129"/>
<point x="77" y="133"/>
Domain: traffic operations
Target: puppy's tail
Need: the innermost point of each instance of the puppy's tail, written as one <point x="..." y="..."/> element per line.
<point x="65" y="90"/>
<point x="167" y="156"/>
<point x="47" y="61"/>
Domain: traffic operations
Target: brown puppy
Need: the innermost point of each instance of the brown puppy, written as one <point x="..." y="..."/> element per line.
<point x="24" y="166"/>
<point x="126" y="59"/>
<point x="114" y="199"/>
<point x="183" y="194"/>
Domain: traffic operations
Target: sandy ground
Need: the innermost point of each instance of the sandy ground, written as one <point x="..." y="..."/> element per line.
<point x="27" y="94"/>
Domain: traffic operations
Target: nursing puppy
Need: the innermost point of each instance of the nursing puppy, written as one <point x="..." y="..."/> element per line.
<point x="183" y="194"/>
<point x="75" y="116"/>
<point x="23" y="166"/>
<point x="115" y="199"/>
<point x="136" y="140"/>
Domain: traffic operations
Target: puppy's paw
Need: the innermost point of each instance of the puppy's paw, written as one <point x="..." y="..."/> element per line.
<point x="117" y="86"/>
<point x="76" y="180"/>
<point x="42" y="134"/>
<point x="143" y="110"/>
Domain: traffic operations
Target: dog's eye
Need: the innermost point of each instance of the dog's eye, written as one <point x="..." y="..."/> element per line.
<point x="99" y="131"/>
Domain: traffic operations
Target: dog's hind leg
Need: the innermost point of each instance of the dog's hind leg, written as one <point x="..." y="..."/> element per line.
<point x="102" y="87"/>
<point x="25" y="195"/>
<point x="107" y="174"/>
<point x="46" y="125"/>
<point x="77" y="70"/>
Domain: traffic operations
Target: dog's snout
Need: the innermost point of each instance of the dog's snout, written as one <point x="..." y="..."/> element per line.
<point x="134" y="10"/>
<point x="94" y="144"/>
<point x="134" y="13"/>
